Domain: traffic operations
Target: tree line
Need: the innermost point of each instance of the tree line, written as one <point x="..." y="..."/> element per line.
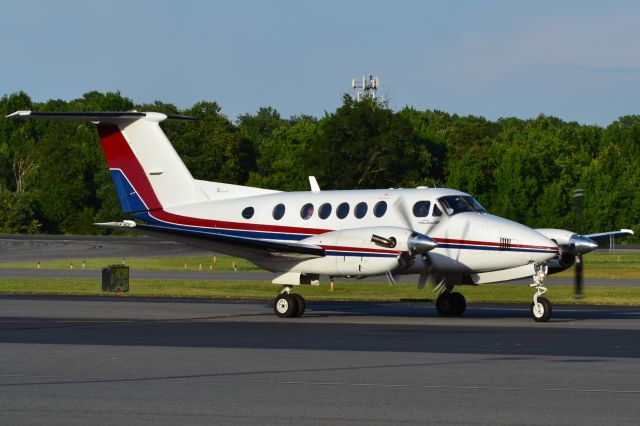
<point x="54" y="178"/>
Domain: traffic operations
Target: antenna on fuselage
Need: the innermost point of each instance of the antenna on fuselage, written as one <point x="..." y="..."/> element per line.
<point x="313" y="183"/>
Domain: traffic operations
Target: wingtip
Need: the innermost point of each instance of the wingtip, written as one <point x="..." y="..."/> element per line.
<point x="18" y="114"/>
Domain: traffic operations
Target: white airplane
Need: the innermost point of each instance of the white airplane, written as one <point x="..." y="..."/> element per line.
<point x="443" y="235"/>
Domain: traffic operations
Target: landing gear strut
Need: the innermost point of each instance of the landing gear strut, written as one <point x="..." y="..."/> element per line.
<point x="540" y="307"/>
<point x="450" y="304"/>
<point x="289" y="305"/>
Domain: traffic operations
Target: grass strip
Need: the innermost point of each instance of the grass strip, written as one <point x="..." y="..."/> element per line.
<point x="188" y="263"/>
<point x="596" y="265"/>
<point x="343" y="291"/>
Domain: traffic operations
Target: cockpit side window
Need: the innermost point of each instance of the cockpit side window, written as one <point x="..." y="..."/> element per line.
<point x="454" y="204"/>
<point x="436" y="211"/>
<point x="421" y="209"/>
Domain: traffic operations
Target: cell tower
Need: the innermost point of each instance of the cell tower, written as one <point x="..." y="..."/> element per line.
<point x="368" y="86"/>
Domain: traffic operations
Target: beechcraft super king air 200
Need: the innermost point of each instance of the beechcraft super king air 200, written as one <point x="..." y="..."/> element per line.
<point x="442" y="235"/>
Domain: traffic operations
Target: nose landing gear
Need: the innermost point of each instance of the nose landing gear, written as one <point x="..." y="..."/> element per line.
<point x="540" y="307"/>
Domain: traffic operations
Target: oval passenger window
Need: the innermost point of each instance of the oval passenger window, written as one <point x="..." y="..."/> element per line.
<point x="380" y="208"/>
<point x="360" y="210"/>
<point x="324" y="211"/>
<point x="306" y="211"/>
<point x="248" y="212"/>
<point x="278" y="211"/>
<point x="342" y="211"/>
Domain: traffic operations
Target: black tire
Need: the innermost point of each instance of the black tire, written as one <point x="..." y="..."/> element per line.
<point x="285" y="306"/>
<point x="300" y="305"/>
<point x="459" y="304"/>
<point x="542" y="312"/>
<point x="445" y="304"/>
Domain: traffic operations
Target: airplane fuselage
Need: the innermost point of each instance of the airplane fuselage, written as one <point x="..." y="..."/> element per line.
<point x="342" y="222"/>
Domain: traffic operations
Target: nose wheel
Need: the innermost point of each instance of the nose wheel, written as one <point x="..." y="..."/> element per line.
<point x="540" y="308"/>
<point x="289" y="305"/>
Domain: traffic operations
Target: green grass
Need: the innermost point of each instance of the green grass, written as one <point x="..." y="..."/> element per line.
<point x="609" y="265"/>
<point x="343" y="291"/>
<point x="596" y="265"/>
<point x="191" y="263"/>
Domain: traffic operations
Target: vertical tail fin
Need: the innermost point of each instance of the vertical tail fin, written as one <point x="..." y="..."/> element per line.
<point x="146" y="170"/>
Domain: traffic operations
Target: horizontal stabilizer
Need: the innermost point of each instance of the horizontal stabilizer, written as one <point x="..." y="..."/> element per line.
<point x="103" y="117"/>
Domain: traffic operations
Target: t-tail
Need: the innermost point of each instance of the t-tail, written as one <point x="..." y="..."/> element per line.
<point x="146" y="170"/>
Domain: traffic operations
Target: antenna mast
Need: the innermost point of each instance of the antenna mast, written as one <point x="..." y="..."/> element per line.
<point x="368" y="86"/>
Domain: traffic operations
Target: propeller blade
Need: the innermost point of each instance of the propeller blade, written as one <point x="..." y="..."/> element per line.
<point x="422" y="280"/>
<point x="391" y="278"/>
<point x="401" y="207"/>
<point x="578" y="278"/>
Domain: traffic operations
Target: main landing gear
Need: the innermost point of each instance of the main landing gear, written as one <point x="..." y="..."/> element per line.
<point x="540" y="307"/>
<point x="450" y="304"/>
<point x="289" y="305"/>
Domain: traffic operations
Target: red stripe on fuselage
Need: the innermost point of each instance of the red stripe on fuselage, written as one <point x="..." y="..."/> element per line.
<point x="176" y="219"/>
<point x="491" y="244"/>
<point x="120" y="156"/>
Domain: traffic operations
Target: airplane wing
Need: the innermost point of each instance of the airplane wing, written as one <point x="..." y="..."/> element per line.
<point x="222" y="243"/>
<point x="605" y="235"/>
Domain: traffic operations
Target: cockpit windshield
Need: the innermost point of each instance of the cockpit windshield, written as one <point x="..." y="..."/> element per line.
<point x="454" y="204"/>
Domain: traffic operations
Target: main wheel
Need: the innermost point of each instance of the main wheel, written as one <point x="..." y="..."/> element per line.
<point x="285" y="306"/>
<point x="445" y="304"/>
<point x="300" y="305"/>
<point x="541" y="311"/>
<point x="459" y="304"/>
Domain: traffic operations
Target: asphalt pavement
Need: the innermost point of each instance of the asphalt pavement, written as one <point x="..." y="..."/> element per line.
<point x="78" y="360"/>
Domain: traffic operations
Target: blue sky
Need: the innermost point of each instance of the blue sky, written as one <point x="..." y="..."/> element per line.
<point x="577" y="60"/>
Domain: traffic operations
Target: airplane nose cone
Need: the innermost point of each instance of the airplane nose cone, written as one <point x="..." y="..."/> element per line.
<point x="419" y="243"/>
<point x="582" y="245"/>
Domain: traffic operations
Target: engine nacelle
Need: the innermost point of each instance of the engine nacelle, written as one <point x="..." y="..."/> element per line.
<point x="569" y="242"/>
<point x="370" y="251"/>
<point x="561" y="262"/>
<point x="562" y="237"/>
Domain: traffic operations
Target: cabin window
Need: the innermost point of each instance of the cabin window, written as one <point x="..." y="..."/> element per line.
<point x="360" y="210"/>
<point x="436" y="211"/>
<point x="248" y="212"/>
<point x="306" y="211"/>
<point x="421" y="209"/>
<point x="278" y="211"/>
<point x="380" y="208"/>
<point x="324" y="211"/>
<point x="343" y="210"/>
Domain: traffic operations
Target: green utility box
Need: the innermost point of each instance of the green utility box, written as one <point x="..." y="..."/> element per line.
<point x="115" y="278"/>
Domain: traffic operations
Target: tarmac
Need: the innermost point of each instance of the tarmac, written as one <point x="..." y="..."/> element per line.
<point x="83" y="360"/>
<point x="122" y="360"/>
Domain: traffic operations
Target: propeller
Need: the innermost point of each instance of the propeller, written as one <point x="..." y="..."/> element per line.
<point x="578" y="198"/>
<point x="419" y="243"/>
